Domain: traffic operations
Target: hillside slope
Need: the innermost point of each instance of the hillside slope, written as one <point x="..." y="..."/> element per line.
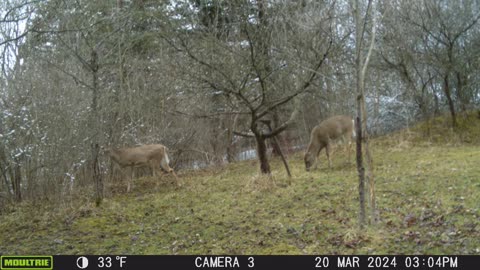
<point x="427" y="197"/>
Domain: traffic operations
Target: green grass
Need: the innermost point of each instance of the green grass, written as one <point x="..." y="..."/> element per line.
<point x="427" y="196"/>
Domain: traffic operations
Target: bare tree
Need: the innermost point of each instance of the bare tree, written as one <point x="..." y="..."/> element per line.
<point x="361" y="65"/>
<point x="445" y="30"/>
<point x="251" y="74"/>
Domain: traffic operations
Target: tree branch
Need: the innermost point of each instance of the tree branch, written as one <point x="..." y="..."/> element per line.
<point x="14" y="39"/>
<point x="285" y="125"/>
<point x="75" y="78"/>
<point x="244" y="134"/>
<point x="206" y="115"/>
<point x="302" y="88"/>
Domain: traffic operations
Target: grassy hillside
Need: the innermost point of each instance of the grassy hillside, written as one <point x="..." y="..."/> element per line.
<point x="428" y="194"/>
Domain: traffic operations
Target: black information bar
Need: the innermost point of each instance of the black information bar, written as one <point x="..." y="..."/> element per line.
<point x="260" y="262"/>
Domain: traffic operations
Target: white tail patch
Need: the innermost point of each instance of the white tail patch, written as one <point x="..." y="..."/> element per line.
<point x="354" y="134"/>
<point x="166" y="158"/>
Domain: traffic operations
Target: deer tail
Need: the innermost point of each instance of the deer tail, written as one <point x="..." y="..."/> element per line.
<point x="167" y="160"/>
<point x="354" y="134"/>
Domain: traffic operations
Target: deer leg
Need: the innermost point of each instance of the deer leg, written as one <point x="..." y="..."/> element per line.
<point x="156" y="174"/>
<point x="154" y="168"/>
<point x="130" y="180"/>
<point x="317" y="156"/>
<point x="327" y="149"/>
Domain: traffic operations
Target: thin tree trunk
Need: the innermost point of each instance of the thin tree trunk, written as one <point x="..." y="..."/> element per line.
<point x="4" y="167"/>
<point x="451" y="106"/>
<point x="97" y="177"/>
<point x="17" y="178"/>
<point x="460" y="94"/>
<point x="276" y="145"/>
<point x="284" y="160"/>
<point x="361" y="171"/>
<point x="436" y="109"/>
<point x="371" y="183"/>
<point x="230" y="143"/>
<point x="361" y="118"/>
<point x="368" y="155"/>
<point x="276" y="150"/>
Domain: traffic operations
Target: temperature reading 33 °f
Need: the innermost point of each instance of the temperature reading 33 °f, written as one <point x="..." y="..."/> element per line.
<point x="106" y="262"/>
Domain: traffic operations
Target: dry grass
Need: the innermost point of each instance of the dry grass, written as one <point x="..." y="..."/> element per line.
<point x="427" y="197"/>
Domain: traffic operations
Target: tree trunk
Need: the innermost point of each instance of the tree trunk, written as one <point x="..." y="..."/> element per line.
<point x="16" y="182"/>
<point x="97" y="177"/>
<point x="461" y="81"/>
<point x="230" y="143"/>
<point x="280" y="153"/>
<point x="361" y="119"/>
<point x="216" y="129"/>
<point x="276" y="147"/>
<point x="4" y="167"/>
<point x="276" y="150"/>
<point x="436" y="103"/>
<point x="450" y="101"/>
<point x="361" y="171"/>
<point x="262" y="154"/>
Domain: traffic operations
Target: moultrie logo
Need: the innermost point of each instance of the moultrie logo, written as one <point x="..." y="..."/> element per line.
<point x="26" y="262"/>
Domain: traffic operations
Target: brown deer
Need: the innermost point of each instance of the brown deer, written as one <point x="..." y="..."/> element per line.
<point x="324" y="134"/>
<point x="152" y="155"/>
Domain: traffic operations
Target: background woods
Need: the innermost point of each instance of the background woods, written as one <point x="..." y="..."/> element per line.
<point x="214" y="80"/>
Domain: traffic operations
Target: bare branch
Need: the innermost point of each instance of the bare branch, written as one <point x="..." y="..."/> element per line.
<point x="206" y="115"/>
<point x="14" y="8"/>
<point x="74" y="77"/>
<point x="14" y="39"/>
<point x="302" y="88"/>
<point x="244" y="134"/>
<point x="285" y="125"/>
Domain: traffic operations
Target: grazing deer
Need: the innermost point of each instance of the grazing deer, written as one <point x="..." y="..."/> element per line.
<point x="152" y="155"/>
<point x="324" y="134"/>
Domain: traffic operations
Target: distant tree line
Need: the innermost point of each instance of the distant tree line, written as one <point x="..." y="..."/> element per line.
<point x="211" y="79"/>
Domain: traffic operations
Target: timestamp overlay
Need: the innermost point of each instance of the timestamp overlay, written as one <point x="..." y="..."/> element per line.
<point x="180" y="262"/>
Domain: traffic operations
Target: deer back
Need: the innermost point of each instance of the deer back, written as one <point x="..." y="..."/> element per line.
<point x="332" y="129"/>
<point x="138" y="156"/>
